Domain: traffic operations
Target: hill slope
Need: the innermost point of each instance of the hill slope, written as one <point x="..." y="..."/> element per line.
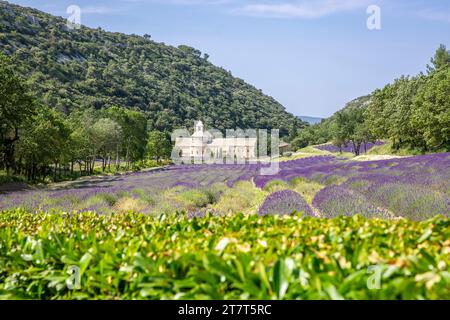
<point x="360" y="102"/>
<point x="91" y="67"/>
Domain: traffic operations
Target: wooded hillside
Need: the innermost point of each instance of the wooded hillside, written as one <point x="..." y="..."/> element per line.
<point x="413" y="113"/>
<point x="71" y="69"/>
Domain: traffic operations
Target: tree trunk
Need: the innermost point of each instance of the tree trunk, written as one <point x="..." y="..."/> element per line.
<point x="33" y="174"/>
<point x="54" y="171"/>
<point x="8" y="152"/>
<point x="117" y="159"/>
<point x="126" y="157"/>
<point x="356" y="147"/>
<point x="9" y="157"/>
<point x="92" y="165"/>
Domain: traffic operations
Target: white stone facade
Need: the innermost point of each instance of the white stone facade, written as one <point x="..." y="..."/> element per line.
<point x="203" y="146"/>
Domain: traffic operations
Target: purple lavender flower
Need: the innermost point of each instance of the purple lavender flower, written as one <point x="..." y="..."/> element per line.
<point x="334" y="201"/>
<point x="284" y="203"/>
<point x="414" y="187"/>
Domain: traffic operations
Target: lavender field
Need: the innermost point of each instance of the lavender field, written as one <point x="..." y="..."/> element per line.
<point x="417" y="188"/>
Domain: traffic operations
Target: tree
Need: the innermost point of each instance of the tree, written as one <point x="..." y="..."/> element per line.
<point x="379" y="110"/>
<point x="16" y="105"/>
<point x="159" y="145"/>
<point x="312" y="135"/>
<point x="400" y="126"/>
<point x="43" y="144"/>
<point x="431" y="115"/>
<point x="134" y="132"/>
<point x="340" y="135"/>
<point x="350" y="126"/>
<point x="303" y="139"/>
<point x="84" y="149"/>
<point x="440" y="60"/>
<point x="107" y="136"/>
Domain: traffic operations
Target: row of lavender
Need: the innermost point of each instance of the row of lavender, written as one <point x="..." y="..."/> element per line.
<point x="415" y="187"/>
<point x="101" y="196"/>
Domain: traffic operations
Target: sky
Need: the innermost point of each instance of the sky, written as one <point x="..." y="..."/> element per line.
<point x="313" y="56"/>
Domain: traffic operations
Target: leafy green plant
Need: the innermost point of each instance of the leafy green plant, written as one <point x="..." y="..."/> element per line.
<point x="134" y="256"/>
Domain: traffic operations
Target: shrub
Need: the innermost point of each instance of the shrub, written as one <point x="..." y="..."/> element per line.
<point x="276" y="185"/>
<point x="134" y="256"/>
<point x="125" y="205"/>
<point x="284" y="202"/>
<point x="242" y="197"/>
<point x="335" y="201"/>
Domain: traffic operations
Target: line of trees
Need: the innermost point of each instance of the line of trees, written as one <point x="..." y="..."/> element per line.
<point x="39" y="142"/>
<point x="350" y="127"/>
<point x="412" y="112"/>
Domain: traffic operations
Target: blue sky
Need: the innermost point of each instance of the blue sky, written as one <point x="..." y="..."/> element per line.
<point x="311" y="56"/>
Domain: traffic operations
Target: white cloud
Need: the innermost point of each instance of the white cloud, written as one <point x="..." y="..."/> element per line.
<point x="97" y="10"/>
<point x="302" y="9"/>
<point x="434" y="15"/>
<point x="199" y="2"/>
<point x="183" y="2"/>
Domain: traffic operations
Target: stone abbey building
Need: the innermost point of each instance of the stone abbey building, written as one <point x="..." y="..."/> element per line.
<point x="203" y="146"/>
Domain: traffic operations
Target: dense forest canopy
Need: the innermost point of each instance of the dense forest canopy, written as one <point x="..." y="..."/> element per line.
<point x="84" y="68"/>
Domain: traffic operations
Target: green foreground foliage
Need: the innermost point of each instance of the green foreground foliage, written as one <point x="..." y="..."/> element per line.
<point x="240" y="256"/>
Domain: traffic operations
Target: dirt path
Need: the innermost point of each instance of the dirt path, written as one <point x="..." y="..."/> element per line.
<point x="78" y="183"/>
<point x="13" y="186"/>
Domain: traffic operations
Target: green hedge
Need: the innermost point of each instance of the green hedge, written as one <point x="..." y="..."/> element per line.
<point x="233" y="257"/>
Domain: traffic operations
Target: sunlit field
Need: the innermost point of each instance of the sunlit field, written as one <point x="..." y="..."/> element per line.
<point x="416" y="188"/>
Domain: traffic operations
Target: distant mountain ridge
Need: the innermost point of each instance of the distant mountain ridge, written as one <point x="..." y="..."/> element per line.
<point x="360" y="102"/>
<point x="311" y="120"/>
<point x="86" y="67"/>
